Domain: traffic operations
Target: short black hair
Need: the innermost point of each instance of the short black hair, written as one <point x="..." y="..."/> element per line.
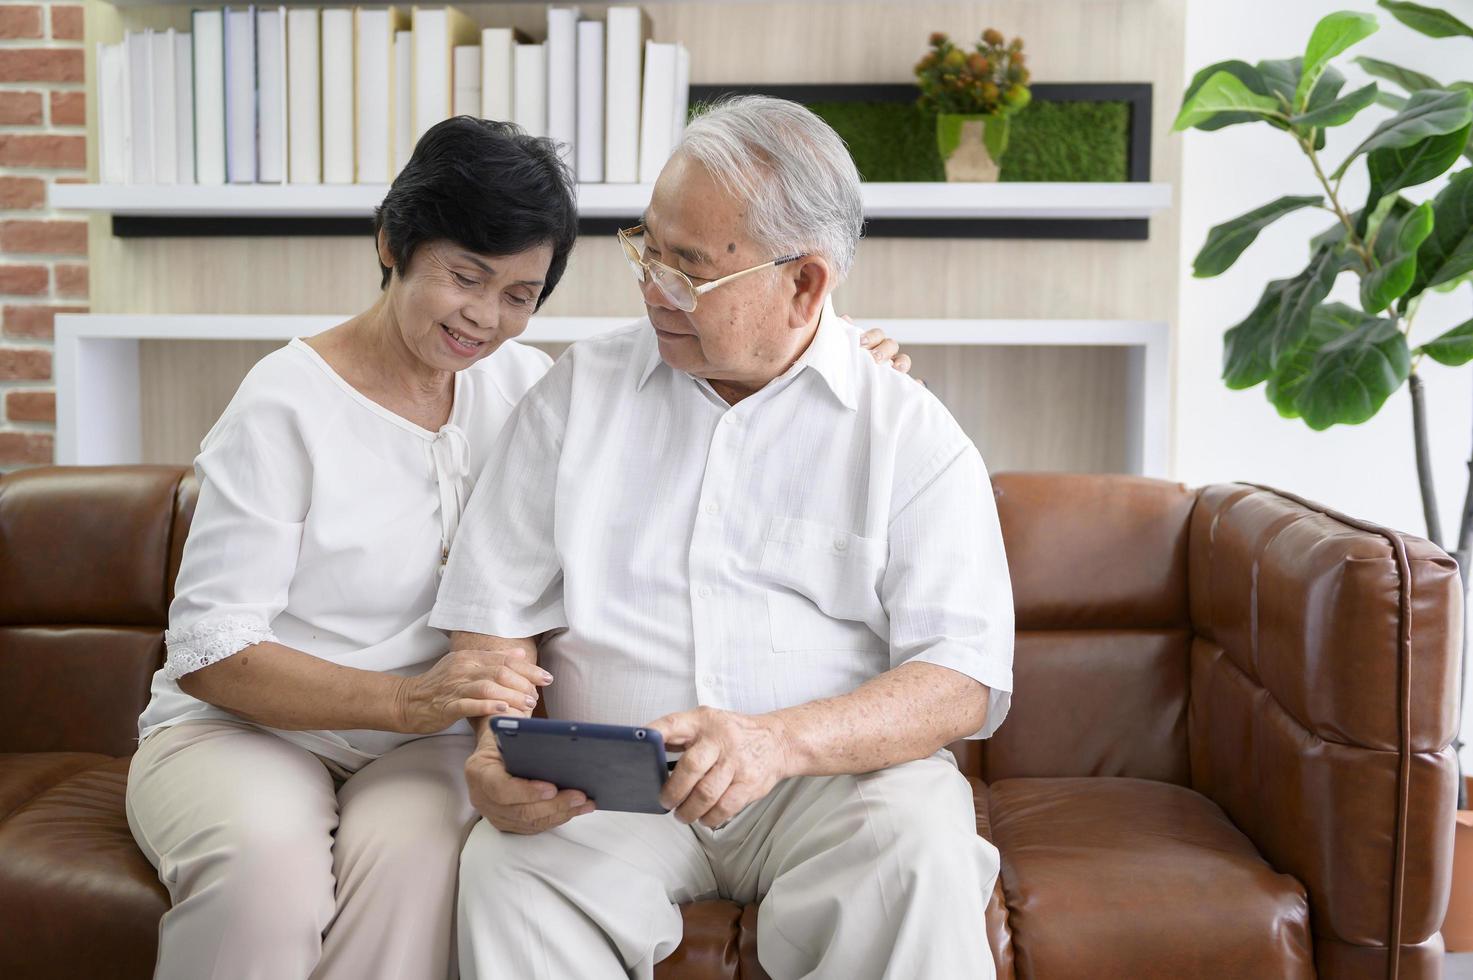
<point x="486" y="186"/>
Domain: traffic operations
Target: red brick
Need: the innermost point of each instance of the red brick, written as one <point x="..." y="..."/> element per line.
<point x="43" y="150"/>
<point x="24" y="280"/>
<point x="42" y="65"/>
<point x="44" y="237"/>
<point x="66" y="23"/>
<point x="68" y="108"/>
<point x="30" y="406"/>
<point x="35" y="322"/>
<point x="22" y="193"/>
<point x="24" y="364"/>
<point x="26" y="448"/>
<point x="21" y="22"/>
<point x="71" y="281"/>
<point x="20" y="108"/>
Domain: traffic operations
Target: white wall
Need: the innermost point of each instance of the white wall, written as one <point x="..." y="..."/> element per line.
<point x="1366" y="470"/>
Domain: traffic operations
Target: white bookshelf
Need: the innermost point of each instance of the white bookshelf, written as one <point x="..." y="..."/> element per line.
<point x="98" y="419"/>
<point x="1052" y="201"/>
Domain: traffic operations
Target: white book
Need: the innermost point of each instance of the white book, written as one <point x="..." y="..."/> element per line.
<point x="271" y="95"/>
<point x="623" y="63"/>
<point x="562" y="80"/>
<point x="376" y="78"/>
<point x="529" y="88"/>
<point x="589" y="150"/>
<point x="682" y="95"/>
<point x="184" y="107"/>
<point x="437" y="30"/>
<point x="165" y="128"/>
<point x="403" y="98"/>
<point x="304" y="95"/>
<point x="112" y="113"/>
<point x="209" y="96"/>
<point x="138" y="47"/>
<point x="467" y="98"/>
<point x="656" y="110"/>
<point x="240" y="95"/>
<point x="337" y="96"/>
<point x="496" y="74"/>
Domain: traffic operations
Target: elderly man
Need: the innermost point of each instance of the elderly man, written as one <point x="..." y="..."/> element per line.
<point x="787" y="555"/>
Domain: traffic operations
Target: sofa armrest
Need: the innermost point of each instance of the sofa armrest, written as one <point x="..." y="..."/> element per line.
<point x="1324" y="681"/>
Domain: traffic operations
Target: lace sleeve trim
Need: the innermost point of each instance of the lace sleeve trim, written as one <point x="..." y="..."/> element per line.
<point x="211" y="641"/>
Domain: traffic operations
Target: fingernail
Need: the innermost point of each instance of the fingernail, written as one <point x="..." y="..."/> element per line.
<point x="546" y="677"/>
<point x="548" y="792"/>
<point x="586" y="808"/>
<point x="577" y="799"/>
<point x="531" y="701"/>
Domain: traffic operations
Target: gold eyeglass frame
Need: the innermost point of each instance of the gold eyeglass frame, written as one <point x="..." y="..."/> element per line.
<point x="643" y="267"/>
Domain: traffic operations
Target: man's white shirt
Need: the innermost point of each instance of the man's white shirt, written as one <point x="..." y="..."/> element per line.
<point x="834" y="525"/>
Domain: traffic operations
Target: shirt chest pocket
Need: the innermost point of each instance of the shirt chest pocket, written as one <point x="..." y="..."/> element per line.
<point x="823" y="587"/>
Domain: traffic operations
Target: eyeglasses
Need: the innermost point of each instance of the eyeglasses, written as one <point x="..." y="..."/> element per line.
<point x="675" y="286"/>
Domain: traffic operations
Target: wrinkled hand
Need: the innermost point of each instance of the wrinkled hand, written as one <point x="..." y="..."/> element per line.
<point x="469" y="684"/>
<point x="517" y="806"/>
<point x="883" y="349"/>
<point x="730" y="760"/>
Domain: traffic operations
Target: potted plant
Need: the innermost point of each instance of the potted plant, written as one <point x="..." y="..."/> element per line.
<point x="973" y="94"/>
<point x="1335" y="363"/>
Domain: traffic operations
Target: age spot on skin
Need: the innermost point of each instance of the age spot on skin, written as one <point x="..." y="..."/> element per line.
<point x="731" y="246"/>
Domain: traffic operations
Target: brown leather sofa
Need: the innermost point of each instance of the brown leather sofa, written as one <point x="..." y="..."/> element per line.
<point x="1227" y="754"/>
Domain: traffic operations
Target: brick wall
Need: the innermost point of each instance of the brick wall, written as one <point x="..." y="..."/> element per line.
<point x="43" y="255"/>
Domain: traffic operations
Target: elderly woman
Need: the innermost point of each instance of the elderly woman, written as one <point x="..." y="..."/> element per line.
<point x="300" y="781"/>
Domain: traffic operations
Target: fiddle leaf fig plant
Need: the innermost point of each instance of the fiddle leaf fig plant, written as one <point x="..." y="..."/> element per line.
<point x="1328" y="363"/>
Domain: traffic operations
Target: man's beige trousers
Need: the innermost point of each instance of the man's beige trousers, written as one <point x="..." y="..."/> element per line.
<point x="880" y="875"/>
<point x="282" y="866"/>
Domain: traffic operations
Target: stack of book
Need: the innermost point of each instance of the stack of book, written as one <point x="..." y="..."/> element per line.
<point x="272" y="95"/>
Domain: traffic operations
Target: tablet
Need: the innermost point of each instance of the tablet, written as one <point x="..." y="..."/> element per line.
<point x="617" y="767"/>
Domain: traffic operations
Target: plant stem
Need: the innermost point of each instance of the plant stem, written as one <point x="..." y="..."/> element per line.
<point x="1424" y="460"/>
<point x="1351" y="238"/>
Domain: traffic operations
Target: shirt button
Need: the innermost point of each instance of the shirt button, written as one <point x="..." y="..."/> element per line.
<point x="841" y="544"/>
<point x="713" y="508"/>
<point x="732" y="419"/>
<point x="710" y="680"/>
<point x="705" y="592"/>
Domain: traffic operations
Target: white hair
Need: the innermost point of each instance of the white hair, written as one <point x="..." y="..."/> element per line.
<point x="792" y="170"/>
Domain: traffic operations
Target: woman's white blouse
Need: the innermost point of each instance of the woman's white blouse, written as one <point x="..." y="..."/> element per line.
<point x="323" y="523"/>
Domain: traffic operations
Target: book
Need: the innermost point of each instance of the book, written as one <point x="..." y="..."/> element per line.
<point x="377" y="77"/>
<point x="437" y="30"/>
<point x="337" y="96"/>
<point x="271" y="162"/>
<point x="138" y="47"/>
<point x="496" y="73"/>
<point x="304" y="95"/>
<point x="403" y="98"/>
<point x="627" y="29"/>
<point x="529" y="88"/>
<point x="240" y="95"/>
<point x="656" y="110"/>
<point x="184" y="107"/>
<point x="589" y="149"/>
<point x="681" y="102"/>
<point x="208" y="27"/>
<point x="466" y="100"/>
<point x="561" y="54"/>
<point x="165" y="128"/>
<point x="112" y="113"/>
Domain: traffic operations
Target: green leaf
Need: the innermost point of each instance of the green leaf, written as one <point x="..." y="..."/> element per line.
<point x="1354" y="374"/>
<point x="1244" y="73"/>
<point x="1287" y="380"/>
<point x="1396" y="251"/>
<point x="1391" y="101"/>
<point x="1390" y="206"/>
<point x="1453" y="283"/>
<point x="1302" y="294"/>
<point x="1226" y="241"/>
<point x="1454" y="348"/>
<point x="1407" y="166"/>
<point x="1428" y="113"/>
<point x="1448" y="251"/>
<point x="1404" y="78"/>
<point x="1429" y="20"/>
<point x="1279" y="323"/>
<point x="1246" y="347"/>
<point x="1332" y="35"/>
<point x="1223" y="92"/>
<point x="1338" y="112"/>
